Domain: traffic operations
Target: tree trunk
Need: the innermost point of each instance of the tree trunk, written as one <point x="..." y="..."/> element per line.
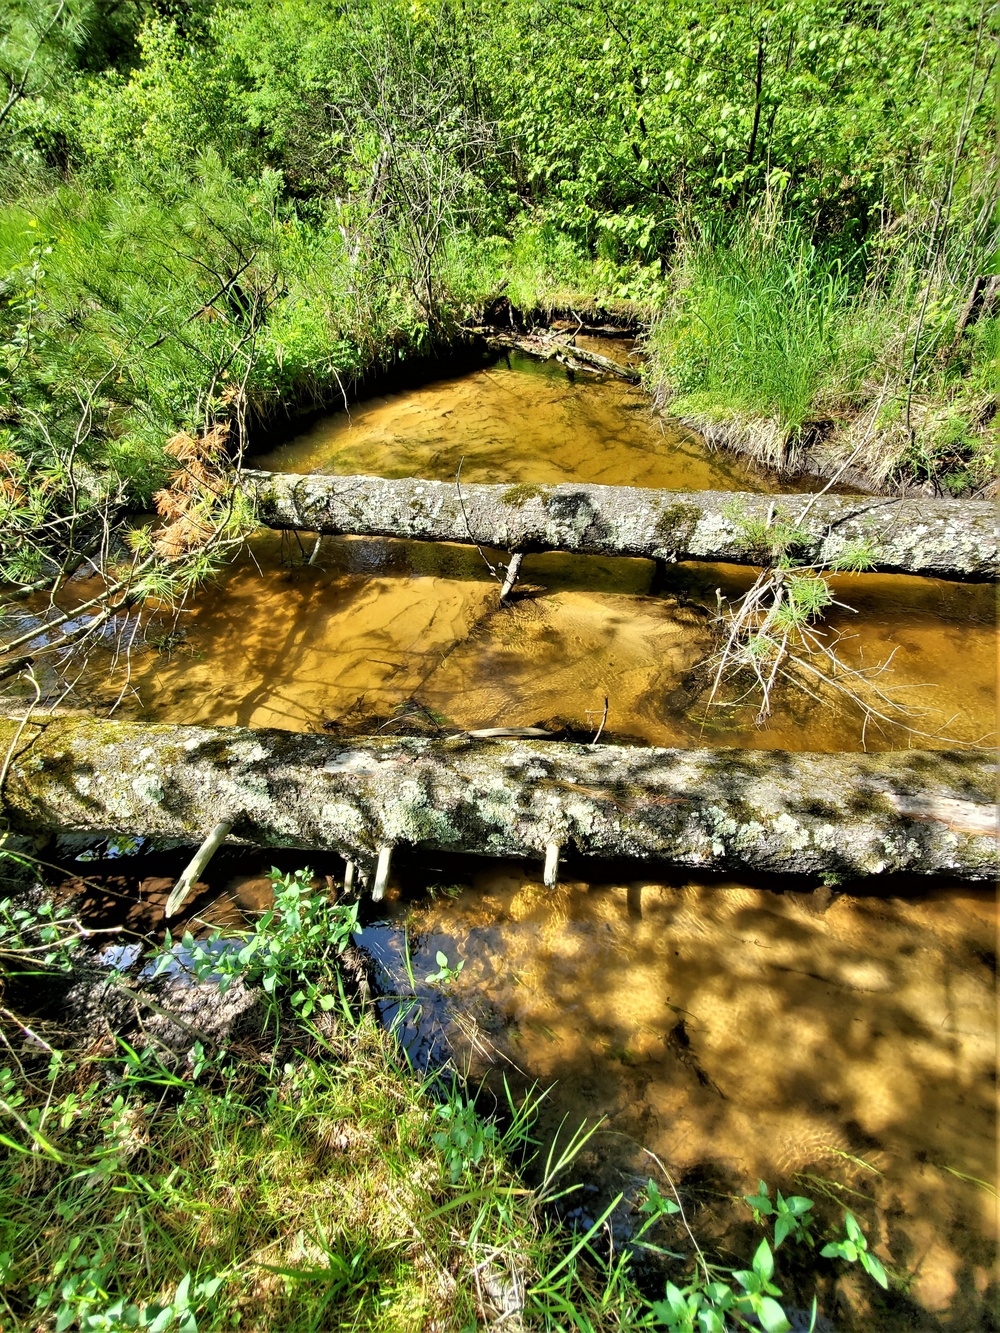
<point x="953" y="539"/>
<point x="837" y="816"/>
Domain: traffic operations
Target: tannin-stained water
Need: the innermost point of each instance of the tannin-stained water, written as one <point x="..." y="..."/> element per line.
<point x="843" y="1049"/>
<point x="408" y="635"/>
<point x="837" y="1046"/>
<point x="518" y="421"/>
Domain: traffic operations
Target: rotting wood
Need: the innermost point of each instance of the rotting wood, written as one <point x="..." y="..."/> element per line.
<point x="544" y="349"/>
<point x="943" y="538"/>
<point x="834" y="815"/>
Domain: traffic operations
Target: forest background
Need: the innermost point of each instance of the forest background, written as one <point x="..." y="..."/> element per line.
<point x="212" y="213"/>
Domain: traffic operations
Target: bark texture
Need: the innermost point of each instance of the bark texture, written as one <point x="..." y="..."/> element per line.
<point x="954" y="539"/>
<point x="839" y="816"/>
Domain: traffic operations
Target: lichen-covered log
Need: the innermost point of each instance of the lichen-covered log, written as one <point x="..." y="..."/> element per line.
<point x="839" y="816"/>
<point x="954" y="539"/>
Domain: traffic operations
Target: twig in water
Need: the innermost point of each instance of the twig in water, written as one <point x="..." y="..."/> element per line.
<point x="670" y="1181"/>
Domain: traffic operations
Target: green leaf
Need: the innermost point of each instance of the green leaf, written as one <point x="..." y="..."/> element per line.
<point x="781" y="1229"/>
<point x="711" y="1321"/>
<point x="872" y="1266"/>
<point x="772" y="1317"/>
<point x="763" y="1261"/>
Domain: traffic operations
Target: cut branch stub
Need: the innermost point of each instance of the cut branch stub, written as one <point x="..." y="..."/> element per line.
<point x="953" y="539"/>
<point x="834" y="815"/>
<point x="513" y="569"/>
<point x="196" y="866"/>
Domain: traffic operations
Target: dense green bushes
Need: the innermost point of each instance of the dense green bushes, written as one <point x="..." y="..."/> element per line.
<point x="216" y="208"/>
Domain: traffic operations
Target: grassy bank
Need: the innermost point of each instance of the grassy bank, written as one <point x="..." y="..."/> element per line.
<point x="775" y="346"/>
<point x="292" y="1172"/>
<point x="229" y="1138"/>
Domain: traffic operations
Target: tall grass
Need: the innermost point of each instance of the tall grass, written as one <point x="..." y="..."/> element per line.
<point x="772" y="341"/>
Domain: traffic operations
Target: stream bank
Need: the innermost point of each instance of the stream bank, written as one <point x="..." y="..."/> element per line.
<point x="837" y="1044"/>
<point x="351" y="636"/>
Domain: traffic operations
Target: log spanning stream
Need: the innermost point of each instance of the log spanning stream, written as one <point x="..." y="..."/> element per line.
<point x="787" y="1001"/>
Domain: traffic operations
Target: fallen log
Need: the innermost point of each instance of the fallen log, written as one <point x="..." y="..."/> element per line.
<point x="833" y="815"/>
<point x="545" y="348"/>
<point x="954" y="539"/>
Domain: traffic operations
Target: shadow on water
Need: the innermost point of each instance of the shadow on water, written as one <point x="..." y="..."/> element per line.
<point x="838" y="1044"/>
<point x="841" y="1046"/>
<point x="378" y="631"/>
<point x="390" y="634"/>
<point x="518" y="421"/>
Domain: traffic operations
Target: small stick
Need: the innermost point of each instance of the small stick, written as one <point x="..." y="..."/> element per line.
<point x="513" y="569"/>
<point x="315" y="549"/>
<point x="468" y="526"/>
<point x="601" y="727"/>
<point x="196" y="866"/>
<point x="550" y="875"/>
<point x="382" y="872"/>
<point x="349" y="871"/>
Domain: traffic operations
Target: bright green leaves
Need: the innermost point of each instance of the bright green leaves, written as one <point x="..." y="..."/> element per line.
<point x="792" y="1216"/>
<point x="694" y="1309"/>
<point x="291" y="954"/>
<point x="717" y="1299"/>
<point x="657" y="1204"/>
<point x="465" y="1137"/>
<point x="854" y="1248"/>
<point x="445" y="975"/>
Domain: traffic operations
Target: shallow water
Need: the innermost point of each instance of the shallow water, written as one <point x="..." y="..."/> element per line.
<point x="841" y="1049"/>
<point x="409" y="635"/>
<point x="519" y="420"/>
<point x="838" y="1046"/>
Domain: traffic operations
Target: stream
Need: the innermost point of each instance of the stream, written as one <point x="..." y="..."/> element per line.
<point x="839" y="1044"/>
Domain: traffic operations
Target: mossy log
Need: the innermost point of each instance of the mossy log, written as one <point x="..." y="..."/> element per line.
<point x="953" y="539"/>
<point x="833" y="815"/>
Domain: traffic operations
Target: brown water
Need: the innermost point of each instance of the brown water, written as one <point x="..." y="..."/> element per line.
<point x="518" y="421"/>
<point x="409" y="635"/>
<point x="841" y="1047"/>
<point x="844" y="1049"/>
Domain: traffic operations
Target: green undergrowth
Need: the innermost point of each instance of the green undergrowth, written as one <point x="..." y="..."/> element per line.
<point x="302" y="1178"/>
<point x="778" y="342"/>
<point x="301" y="1175"/>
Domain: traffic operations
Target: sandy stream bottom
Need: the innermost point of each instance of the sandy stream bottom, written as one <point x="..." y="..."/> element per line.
<point x="843" y="1048"/>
